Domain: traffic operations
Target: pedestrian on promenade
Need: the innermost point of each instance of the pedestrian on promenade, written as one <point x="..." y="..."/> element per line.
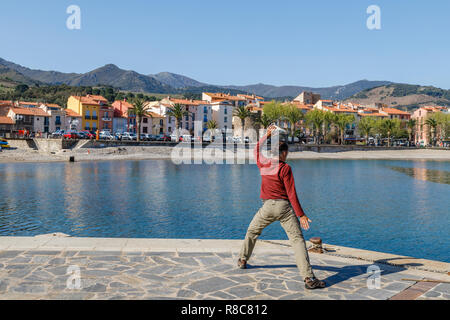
<point x="280" y="203"/>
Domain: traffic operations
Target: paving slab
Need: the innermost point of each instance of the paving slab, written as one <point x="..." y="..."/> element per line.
<point x="45" y="268"/>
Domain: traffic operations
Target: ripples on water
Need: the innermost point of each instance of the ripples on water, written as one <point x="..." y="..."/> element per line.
<point x="373" y="205"/>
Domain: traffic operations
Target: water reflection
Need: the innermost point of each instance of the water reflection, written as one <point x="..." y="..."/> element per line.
<point x="438" y="176"/>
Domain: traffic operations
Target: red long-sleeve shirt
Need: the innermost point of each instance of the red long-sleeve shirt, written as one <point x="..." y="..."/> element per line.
<point x="277" y="179"/>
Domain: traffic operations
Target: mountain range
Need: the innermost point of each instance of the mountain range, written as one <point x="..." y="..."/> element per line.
<point x="363" y="91"/>
<point x="166" y="82"/>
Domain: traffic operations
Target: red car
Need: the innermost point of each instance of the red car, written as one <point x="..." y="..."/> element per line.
<point x="71" y="135"/>
<point x="87" y="134"/>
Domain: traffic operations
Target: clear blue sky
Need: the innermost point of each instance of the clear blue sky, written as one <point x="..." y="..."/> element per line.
<point x="312" y="43"/>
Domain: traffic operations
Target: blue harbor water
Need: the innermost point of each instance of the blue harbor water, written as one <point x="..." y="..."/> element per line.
<point x="400" y="207"/>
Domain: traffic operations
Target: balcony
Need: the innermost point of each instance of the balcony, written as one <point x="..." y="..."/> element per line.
<point x="106" y="119"/>
<point x="94" y="117"/>
<point x="87" y="118"/>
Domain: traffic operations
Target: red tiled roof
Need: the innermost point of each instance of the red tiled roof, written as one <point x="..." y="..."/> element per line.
<point x="71" y="113"/>
<point x="30" y="112"/>
<point x="223" y="96"/>
<point x="250" y="96"/>
<point x="394" y="111"/>
<point x="6" y="120"/>
<point x="91" y="100"/>
<point x="374" y="114"/>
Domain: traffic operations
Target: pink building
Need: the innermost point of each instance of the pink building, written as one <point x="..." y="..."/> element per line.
<point x="422" y="132"/>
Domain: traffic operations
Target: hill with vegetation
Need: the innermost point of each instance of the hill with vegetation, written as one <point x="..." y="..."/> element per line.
<point x="403" y="95"/>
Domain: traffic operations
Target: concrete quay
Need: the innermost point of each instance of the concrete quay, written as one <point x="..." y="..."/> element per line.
<point x="59" y="267"/>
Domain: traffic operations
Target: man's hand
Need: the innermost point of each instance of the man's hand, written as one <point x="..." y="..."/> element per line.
<point x="304" y="222"/>
<point x="270" y="130"/>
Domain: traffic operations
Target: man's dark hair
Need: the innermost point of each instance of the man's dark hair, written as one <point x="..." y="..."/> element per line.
<point x="283" y="147"/>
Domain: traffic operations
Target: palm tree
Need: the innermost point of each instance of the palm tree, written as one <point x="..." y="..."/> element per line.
<point x="411" y="125"/>
<point x="139" y="110"/>
<point x="211" y="125"/>
<point x="178" y="112"/>
<point x="342" y="121"/>
<point x="432" y="125"/>
<point x="264" y="120"/>
<point x="315" y="119"/>
<point x="365" y="127"/>
<point x="242" y="113"/>
<point x="388" y="126"/>
<point x="293" y="115"/>
<point x="328" y="120"/>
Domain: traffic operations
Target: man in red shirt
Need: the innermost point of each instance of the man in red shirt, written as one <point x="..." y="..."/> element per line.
<point x="280" y="204"/>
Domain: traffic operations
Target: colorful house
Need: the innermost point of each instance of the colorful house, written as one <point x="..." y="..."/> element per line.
<point x="91" y="108"/>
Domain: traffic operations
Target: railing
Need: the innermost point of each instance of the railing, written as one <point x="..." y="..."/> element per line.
<point x="94" y="117"/>
<point x="106" y="119"/>
<point x="87" y="117"/>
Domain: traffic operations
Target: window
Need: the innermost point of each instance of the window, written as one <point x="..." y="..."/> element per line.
<point x="187" y="126"/>
<point x="145" y="120"/>
<point x="161" y="122"/>
<point x="205" y="118"/>
<point x="187" y="118"/>
<point x="225" y="110"/>
<point x="145" y="130"/>
<point x="193" y="117"/>
<point x="225" y="119"/>
<point x="170" y="120"/>
<point x="205" y="109"/>
<point x="94" y="125"/>
<point x="58" y="120"/>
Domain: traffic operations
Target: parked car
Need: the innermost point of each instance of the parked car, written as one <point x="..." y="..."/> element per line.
<point x="86" y="134"/>
<point x="106" y="135"/>
<point x="163" y="137"/>
<point x="128" y="136"/>
<point x="71" y="134"/>
<point x="147" y="137"/>
<point x="186" y="138"/>
<point x="57" y="134"/>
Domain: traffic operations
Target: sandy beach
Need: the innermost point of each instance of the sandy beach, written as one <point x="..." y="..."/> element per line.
<point x="164" y="153"/>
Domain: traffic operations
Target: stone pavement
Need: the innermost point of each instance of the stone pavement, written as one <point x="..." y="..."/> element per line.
<point x="37" y="268"/>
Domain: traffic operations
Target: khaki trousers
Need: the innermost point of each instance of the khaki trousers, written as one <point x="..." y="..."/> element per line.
<point x="278" y="210"/>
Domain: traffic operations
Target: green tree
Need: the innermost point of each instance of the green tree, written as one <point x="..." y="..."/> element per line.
<point x="411" y="127"/>
<point x="366" y="126"/>
<point x="315" y="119"/>
<point x="293" y="115"/>
<point x="178" y="112"/>
<point x="21" y="88"/>
<point x="329" y="120"/>
<point x="211" y="125"/>
<point x="264" y="120"/>
<point x="273" y="110"/>
<point x="432" y="126"/>
<point x="342" y="121"/>
<point x="139" y="110"/>
<point x="387" y="127"/>
<point x="242" y="113"/>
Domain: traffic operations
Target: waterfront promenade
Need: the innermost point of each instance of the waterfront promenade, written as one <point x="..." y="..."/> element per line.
<point x="37" y="268"/>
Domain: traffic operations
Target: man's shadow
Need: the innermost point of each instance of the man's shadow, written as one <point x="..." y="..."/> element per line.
<point x="344" y="273"/>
